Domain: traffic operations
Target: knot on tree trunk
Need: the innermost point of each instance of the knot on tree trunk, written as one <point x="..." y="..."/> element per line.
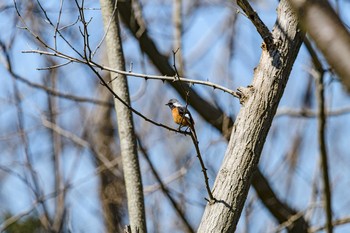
<point x="244" y="93"/>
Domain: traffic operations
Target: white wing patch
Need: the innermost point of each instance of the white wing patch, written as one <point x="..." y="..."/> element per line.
<point x="176" y="104"/>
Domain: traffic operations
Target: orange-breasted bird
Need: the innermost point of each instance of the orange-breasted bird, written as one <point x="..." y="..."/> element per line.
<point x="181" y="115"/>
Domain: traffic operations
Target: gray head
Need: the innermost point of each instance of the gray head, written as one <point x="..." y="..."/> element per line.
<point x="173" y="103"/>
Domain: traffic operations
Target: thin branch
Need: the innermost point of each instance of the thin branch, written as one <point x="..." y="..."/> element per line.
<point x="27" y="150"/>
<point x="309" y="113"/>
<point x="8" y="222"/>
<point x="55" y="66"/>
<point x="79" y="141"/>
<point x="56" y="141"/>
<point x="51" y="23"/>
<point x="258" y="23"/>
<point x="322" y="118"/>
<point x="323" y="150"/>
<point x="104" y="83"/>
<point x="336" y="222"/>
<point x="137" y="75"/>
<point x="58" y="23"/>
<point x="195" y="139"/>
<point x="129" y="107"/>
<point x="92" y="66"/>
<point x="69" y="25"/>
<point x="289" y="222"/>
<point x="171" y="178"/>
<point x="85" y="33"/>
<point x="167" y="78"/>
<point x="105" y="33"/>
<point x="55" y="92"/>
<point x="211" y="200"/>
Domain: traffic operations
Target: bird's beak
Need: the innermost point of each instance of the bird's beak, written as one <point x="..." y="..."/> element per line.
<point x="167" y="104"/>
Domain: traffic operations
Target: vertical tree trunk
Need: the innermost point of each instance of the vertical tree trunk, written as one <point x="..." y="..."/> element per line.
<point x="112" y="185"/>
<point x="260" y="101"/>
<point x="131" y="167"/>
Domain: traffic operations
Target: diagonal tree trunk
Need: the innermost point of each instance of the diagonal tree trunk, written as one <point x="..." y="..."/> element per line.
<point x="260" y="101"/>
<point x="132" y="175"/>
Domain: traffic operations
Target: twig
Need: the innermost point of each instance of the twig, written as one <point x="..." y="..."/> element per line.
<point x="105" y="33"/>
<point x="211" y="200"/>
<point x="55" y="66"/>
<point x="58" y="23"/>
<point x="51" y="23"/>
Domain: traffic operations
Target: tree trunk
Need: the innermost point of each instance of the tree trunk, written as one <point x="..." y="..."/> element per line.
<point x="128" y="147"/>
<point x="260" y="101"/>
<point x="328" y="32"/>
<point x="112" y="185"/>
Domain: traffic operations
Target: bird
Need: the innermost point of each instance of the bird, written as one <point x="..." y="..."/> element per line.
<point x="181" y="115"/>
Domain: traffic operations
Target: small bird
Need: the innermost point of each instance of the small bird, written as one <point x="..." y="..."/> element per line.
<point x="181" y="115"/>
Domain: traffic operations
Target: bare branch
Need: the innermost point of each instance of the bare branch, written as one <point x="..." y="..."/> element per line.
<point x="258" y="23"/>
<point x="8" y="222"/>
<point x="337" y="222"/>
<point x="309" y="113"/>
<point x="55" y="66"/>
<point x="137" y="75"/>
<point x="321" y="115"/>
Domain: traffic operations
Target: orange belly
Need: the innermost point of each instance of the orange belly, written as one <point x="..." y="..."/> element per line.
<point x="180" y="120"/>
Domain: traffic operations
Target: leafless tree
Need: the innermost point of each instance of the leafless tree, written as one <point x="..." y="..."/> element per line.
<point x="102" y="69"/>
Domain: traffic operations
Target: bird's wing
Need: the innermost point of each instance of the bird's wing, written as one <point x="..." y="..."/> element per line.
<point x="185" y="113"/>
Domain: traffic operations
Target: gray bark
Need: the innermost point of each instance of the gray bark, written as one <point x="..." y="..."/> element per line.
<point x="112" y="186"/>
<point x="259" y="104"/>
<point x="128" y="147"/>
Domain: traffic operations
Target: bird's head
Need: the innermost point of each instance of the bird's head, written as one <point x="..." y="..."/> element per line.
<point x="173" y="103"/>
